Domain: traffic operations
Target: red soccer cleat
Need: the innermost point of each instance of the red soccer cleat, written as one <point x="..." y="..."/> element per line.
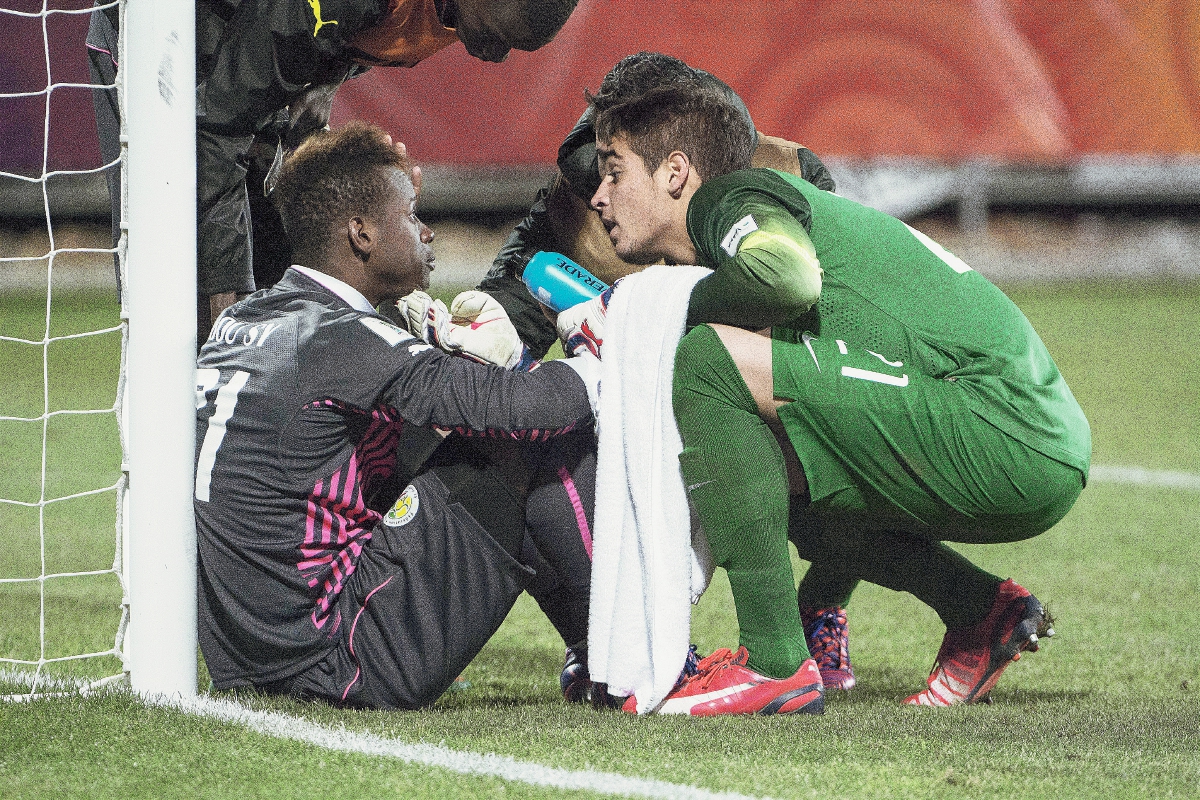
<point x="828" y="638"/>
<point x="971" y="660"/>
<point x="722" y="684"/>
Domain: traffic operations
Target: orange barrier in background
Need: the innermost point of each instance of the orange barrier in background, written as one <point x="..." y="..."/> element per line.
<point x="1018" y="80"/>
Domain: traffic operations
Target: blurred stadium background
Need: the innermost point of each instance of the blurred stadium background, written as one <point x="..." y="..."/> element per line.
<point x="1036" y="139"/>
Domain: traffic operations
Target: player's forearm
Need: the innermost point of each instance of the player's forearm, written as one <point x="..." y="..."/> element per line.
<point x="727" y="300"/>
<point x="453" y="393"/>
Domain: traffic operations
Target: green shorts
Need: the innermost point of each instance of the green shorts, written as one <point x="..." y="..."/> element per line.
<point x="906" y="450"/>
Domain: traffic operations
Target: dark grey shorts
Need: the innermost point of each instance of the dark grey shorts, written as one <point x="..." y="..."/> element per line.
<point x="430" y="588"/>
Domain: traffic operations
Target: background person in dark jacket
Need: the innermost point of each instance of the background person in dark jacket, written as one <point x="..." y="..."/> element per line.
<point x="266" y="73"/>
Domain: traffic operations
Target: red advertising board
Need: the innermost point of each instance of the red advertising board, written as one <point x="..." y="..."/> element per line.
<point x="1018" y="80"/>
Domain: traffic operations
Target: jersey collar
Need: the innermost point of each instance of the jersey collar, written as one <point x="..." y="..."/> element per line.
<point x="353" y="297"/>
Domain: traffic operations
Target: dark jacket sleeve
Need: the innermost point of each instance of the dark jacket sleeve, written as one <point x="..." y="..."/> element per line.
<point x="503" y="281"/>
<point x="222" y="215"/>
<point x="268" y="53"/>
<point x="813" y="170"/>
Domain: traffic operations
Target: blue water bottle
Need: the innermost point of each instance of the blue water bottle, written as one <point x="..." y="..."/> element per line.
<point x="558" y="282"/>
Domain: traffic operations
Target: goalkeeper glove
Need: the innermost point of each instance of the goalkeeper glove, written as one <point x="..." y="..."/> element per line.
<point x="581" y="327"/>
<point x="475" y="327"/>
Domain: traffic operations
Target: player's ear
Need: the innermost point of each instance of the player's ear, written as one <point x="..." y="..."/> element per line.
<point x="361" y="236"/>
<point x="679" y="168"/>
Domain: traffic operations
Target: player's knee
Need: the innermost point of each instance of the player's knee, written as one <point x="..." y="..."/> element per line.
<point x="705" y="371"/>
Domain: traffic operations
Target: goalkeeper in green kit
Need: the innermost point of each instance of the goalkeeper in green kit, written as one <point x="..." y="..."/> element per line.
<point x="900" y="401"/>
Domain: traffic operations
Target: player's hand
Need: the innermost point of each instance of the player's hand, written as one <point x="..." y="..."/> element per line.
<point x="581" y="327"/>
<point x="475" y="327"/>
<point x="481" y="330"/>
<point x="425" y="318"/>
<point x="415" y="175"/>
<point x="309" y="112"/>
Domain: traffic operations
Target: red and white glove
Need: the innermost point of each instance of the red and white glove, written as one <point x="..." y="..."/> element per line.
<point x="475" y="327"/>
<point x="581" y="327"/>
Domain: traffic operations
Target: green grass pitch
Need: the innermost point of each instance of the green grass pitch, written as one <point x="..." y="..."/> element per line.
<point x="1108" y="708"/>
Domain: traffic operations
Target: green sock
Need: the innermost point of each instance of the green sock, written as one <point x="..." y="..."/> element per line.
<point x="737" y="483"/>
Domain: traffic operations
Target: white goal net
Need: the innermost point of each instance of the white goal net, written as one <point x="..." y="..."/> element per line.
<point x="97" y="576"/>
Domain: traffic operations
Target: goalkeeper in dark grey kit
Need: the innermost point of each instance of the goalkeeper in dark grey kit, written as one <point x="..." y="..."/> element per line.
<point x="315" y="581"/>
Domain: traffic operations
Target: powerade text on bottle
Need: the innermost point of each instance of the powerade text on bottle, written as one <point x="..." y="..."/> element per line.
<point x="558" y="282"/>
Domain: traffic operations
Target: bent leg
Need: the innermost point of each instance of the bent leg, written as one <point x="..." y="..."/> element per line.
<point x="428" y="591"/>
<point x="855" y="533"/>
<point x="737" y="481"/>
<point x="844" y="551"/>
<point x="559" y="515"/>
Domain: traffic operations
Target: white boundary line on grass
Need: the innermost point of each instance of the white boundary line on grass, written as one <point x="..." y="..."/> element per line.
<point x="284" y="726"/>
<point x="1140" y="476"/>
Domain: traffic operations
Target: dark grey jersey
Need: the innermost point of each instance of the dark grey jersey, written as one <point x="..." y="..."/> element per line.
<point x="300" y="403"/>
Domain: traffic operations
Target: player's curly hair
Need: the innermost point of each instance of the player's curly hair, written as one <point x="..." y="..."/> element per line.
<point x="333" y="176"/>
<point x="698" y="120"/>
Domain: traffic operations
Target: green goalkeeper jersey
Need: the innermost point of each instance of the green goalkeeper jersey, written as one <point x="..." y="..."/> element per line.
<point x="788" y="255"/>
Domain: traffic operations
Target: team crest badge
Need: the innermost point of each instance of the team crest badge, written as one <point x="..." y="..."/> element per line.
<point x="404" y="510"/>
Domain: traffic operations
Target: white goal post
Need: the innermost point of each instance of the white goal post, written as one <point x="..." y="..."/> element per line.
<point x="159" y="219"/>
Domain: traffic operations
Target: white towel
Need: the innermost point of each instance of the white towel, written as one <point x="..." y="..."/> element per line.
<point x="649" y="563"/>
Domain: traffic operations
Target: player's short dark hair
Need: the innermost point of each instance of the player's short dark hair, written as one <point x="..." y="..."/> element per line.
<point x="700" y="121"/>
<point x="637" y="74"/>
<point x="333" y="176"/>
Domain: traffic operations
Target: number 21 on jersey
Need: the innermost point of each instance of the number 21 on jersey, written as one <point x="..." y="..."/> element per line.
<point x="226" y="401"/>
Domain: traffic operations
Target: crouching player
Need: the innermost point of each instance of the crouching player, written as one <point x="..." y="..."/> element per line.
<point x="561" y="220"/>
<point x="304" y="397"/>
<point x="901" y="401"/>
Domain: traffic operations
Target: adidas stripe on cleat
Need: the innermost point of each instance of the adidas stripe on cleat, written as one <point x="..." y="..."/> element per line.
<point x="723" y="684"/>
<point x="971" y="660"/>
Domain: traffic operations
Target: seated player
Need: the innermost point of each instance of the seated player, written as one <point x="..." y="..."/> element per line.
<point x="306" y="399"/>
<point x="562" y="221"/>
<point x="901" y="401"/>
